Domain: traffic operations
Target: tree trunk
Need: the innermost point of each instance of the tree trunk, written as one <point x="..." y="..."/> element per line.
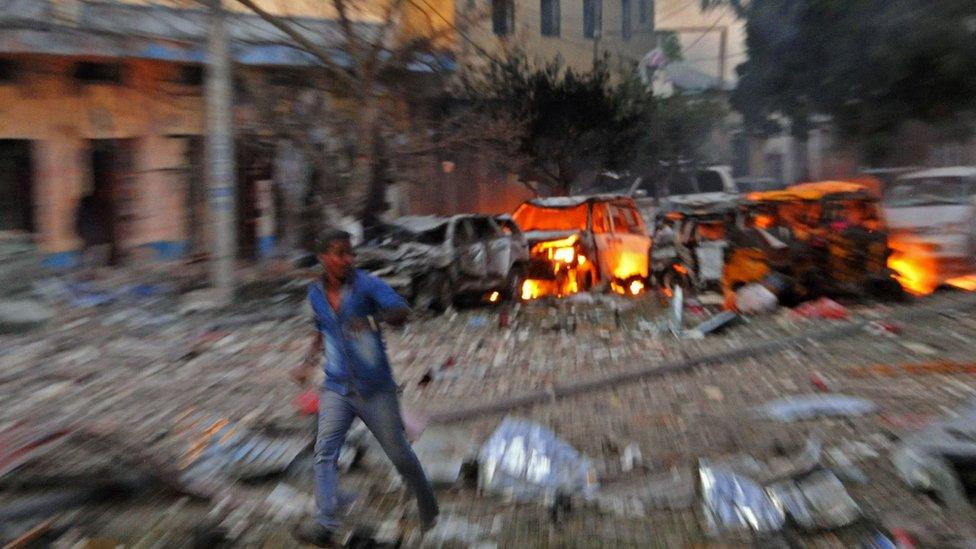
<point x="220" y="154"/>
<point x="359" y="189"/>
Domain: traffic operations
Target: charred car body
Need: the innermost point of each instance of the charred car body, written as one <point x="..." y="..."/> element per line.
<point x="823" y="238"/>
<point x="932" y="217"/>
<point x="690" y="241"/>
<point x="434" y="260"/>
<point x="583" y="243"/>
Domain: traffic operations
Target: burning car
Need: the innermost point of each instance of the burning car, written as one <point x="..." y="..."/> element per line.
<point x="583" y="243"/>
<point x="826" y="237"/>
<point x="932" y="216"/>
<point x="434" y="260"/>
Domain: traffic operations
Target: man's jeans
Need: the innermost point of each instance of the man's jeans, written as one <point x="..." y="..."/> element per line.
<point x="381" y="414"/>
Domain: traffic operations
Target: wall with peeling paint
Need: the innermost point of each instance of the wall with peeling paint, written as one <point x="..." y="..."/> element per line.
<point x="58" y="114"/>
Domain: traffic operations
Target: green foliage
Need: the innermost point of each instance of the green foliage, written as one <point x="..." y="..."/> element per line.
<point x="570" y="123"/>
<point x="671" y="46"/>
<point x="872" y="65"/>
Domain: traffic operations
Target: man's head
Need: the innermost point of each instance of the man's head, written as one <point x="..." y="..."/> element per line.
<point x="334" y="250"/>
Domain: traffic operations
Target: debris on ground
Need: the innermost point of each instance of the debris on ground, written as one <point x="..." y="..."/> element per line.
<point x="823" y="308"/>
<point x="734" y="502"/>
<point x="940" y="458"/>
<point x="525" y="461"/>
<point x="754" y="299"/>
<point x="716" y="323"/>
<point x="21" y="315"/>
<point x="216" y="446"/>
<point x="801" y="407"/>
<point x="816" y="501"/>
<point x="131" y="368"/>
<point x="444" y="452"/>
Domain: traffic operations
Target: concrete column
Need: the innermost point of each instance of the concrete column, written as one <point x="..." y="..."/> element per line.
<point x="220" y="154"/>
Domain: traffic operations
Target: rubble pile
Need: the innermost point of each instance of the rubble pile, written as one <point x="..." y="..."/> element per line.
<point x="186" y="420"/>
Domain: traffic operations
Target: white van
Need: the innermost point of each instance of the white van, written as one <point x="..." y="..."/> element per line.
<point x="937" y="208"/>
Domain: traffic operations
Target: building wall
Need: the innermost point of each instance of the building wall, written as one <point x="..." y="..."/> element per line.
<point x="700" y="33"/>
<point x="59" y="114"/>
<point x="575" y="49"/>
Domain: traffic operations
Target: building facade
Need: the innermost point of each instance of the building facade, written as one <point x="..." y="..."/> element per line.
<point x="104" y="100"/>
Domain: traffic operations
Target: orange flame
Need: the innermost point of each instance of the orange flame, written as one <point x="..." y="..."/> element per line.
<point x="494" y="297"/>
<point x="915" y="268"/>
<point x="967" y="282"/>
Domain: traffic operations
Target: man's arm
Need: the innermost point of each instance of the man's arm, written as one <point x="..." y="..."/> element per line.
<point x="393" y="309"/>
<point x="302" y="373"/>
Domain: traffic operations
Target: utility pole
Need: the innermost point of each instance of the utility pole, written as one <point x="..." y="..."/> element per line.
<point x="220" y="156"/>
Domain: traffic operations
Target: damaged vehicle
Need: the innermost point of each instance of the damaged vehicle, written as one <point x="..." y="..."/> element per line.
<point x="690" y="242"/>
<point x="582" y="243"/>
<point x="824" y="238"/>
<point x="433" y="261"/>
<point x="932" y="217"/>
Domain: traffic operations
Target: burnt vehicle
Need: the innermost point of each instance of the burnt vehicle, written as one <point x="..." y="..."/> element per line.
<point x="690" y="242"/>
<point x="433" y="261"/>
<point x="582" y="243"/>
<point x="825" y="237"/>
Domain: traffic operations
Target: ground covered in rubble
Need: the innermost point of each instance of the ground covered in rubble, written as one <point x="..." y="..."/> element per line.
<point x="100" y="407"/>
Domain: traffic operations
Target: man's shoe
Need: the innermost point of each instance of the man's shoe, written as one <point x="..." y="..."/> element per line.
<point x="313" y="533"/>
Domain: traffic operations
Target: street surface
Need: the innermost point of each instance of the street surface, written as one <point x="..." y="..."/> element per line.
<point x="110" y="384"/>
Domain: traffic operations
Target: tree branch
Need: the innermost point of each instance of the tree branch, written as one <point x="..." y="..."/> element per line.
<point x="321" y="53"/>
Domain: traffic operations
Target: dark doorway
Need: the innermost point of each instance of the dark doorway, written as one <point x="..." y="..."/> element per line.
<point x="16" y="186"/>
<point x="254" y="163"/>
<point x="195" y="193"/>
<point x="112" y="193"/>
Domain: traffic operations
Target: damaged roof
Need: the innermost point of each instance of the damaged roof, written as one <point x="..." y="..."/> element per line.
<point x="957" y="171"/>
<point x="420" y="223"/>
<point x="574" y="201"/>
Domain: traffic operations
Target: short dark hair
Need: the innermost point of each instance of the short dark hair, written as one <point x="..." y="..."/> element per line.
<point x="328" y="237"/>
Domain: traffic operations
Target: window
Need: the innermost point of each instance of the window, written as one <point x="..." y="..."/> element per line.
<point x="626" y="220"/>
<point x="709" y="182"/>
<point x="620" y="222"/>
<point x="646" y="15"/>
<point x="549" y="17"/>
<point x="625" y="19"/>
<point x="482" y="228"/>
<point x="503" y="17"/>
<point x="8" y="71"/>
<point x="98" y="73"/>
<point x="189" y="75"/>
<point x="601" y="220"/>
<point x="592" y="18"/>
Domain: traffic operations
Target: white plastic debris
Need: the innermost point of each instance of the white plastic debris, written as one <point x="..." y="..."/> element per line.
<point x="734" y="502"/>
<point x="526" y="461"/>
<point x="800" y="407"/>
<point x="755" y="299"/>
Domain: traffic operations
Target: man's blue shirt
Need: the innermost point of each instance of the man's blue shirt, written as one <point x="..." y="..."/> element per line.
<point x="355" y="359"/>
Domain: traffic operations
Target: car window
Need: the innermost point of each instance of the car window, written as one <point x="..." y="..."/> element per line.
<point x="482" y="228"/>
<point x="932" y="191"/>
<point x="464" y="233"/>
<point x="636" y="221"/>
<point x="507" y="226"/>
<point x="709" y="182"/>
<point x="621" y="224"/>
<point x="601" y="219"/>
<point x="681" y="183"/>
<point x="537" y="218"/>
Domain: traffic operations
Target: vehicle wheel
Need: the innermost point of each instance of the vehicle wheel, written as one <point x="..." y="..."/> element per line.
<point x="513" y="283"/>
<point x="434" y="292"/>
<point x="887" y="289"/>
<point x="587" y="282"/>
